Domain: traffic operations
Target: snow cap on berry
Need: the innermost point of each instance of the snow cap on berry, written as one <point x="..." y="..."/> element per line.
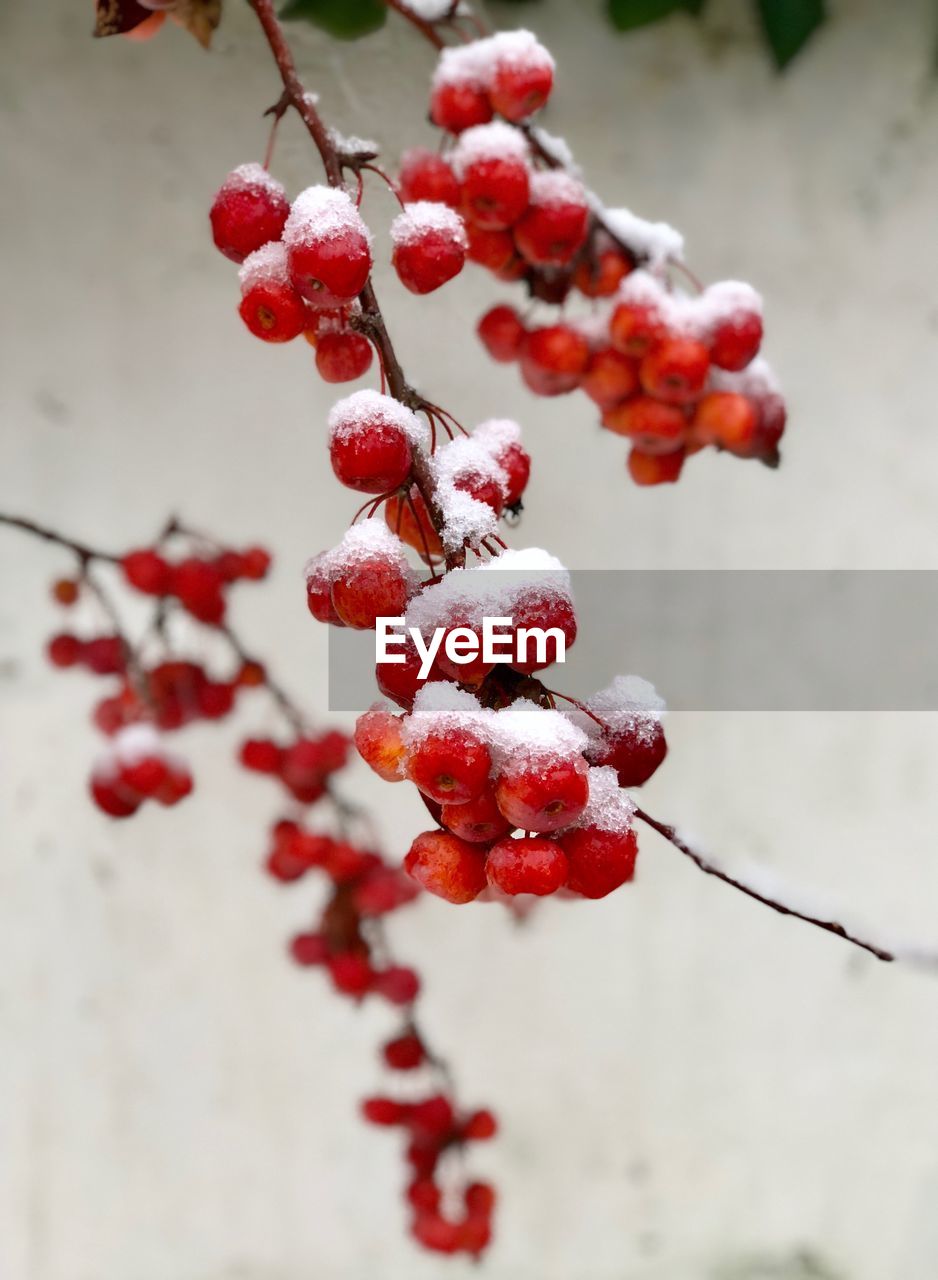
<point x="491" y="589"/>
<point x="252" y="177"/>
<point x="495" y="141"/>
<point x="419" y="218"/>
<point x="320" y="214"/>
<point x="475" y="63"/>
<point x="266" y="265"/>
<point x="656" y="242"/>
<point x="609" y="808"/>
<point x="497" y="434"/>
<point x="556" y="187"/>
<point x="369" y="540"/>
<point x="363" y="410"/>
<point x="466" y="520"/>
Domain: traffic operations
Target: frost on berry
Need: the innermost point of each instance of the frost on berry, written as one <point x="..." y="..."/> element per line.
<point x="367" y="576"/>
<point x="429" y="245"/>
<point x="328" y="247"/>
<point x="270" y="305"/>
<point x="471" y="490"/>
<point x="371" y="441"/>
<point x="249" y="209"/>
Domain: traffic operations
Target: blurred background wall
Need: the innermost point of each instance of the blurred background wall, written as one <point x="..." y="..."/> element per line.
<point x="689" y="1086"/>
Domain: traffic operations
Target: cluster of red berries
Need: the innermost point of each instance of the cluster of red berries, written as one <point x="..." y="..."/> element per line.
<point x="136" y="767"/>
<point x="672" y="374"/>
<point x="526" y="800"/>
<point x="434" y="1128"/>
<point x="102" y="655"/>
<point x="303" y="766"/>
<point x="172" y="694"/>
<point x="198" y="582"/>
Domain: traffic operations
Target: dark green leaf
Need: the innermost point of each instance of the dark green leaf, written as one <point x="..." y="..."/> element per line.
<point x="789" y="24"/>
<point x="628" y="14"/>
<point x="346" y="19"/>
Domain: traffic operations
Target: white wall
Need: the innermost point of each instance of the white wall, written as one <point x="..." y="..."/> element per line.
<point x="685" y="1081"/>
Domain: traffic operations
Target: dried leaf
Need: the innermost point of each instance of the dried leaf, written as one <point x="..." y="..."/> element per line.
<point x="199" y="17"/>
<point x="117" y="17"/>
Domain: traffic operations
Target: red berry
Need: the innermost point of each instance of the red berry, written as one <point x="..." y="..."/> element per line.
<point x="404" y="1052"/>
<point x="447" y="866"/>
<point x="543" y="796"/>
<point x="273" y="312"/>
<point x="309" y="949"/>
<point x="479" y="821"/>
<point x="599" y="274"/>
<point x="457" y="105"/>
<point x="555" y="225"/>
<point x="342" y="357"/>
<point x="610" y="377"/>
<point x="198" y="585"/>
<point x="432" y="1118"/>
<point x="398" y="984"/>
<point x="64" y="650"/>
<point x="522" y="81"/>
<point x="147" y="571"/>
<point x="370" y="442"/>
<point x="429" y="246"/>
<point x="113" y="798"/>
<point x="515" y="461"/>
<point x="494" y="250"/>
<point x="65" y="591"/>
<point x="249" y="209"/>
<point x="262" y="755"/>
<point x="436" y="1233"/>
<point x="727" y="419"/>
<point x="383" y="1111"/>
<point x="526" y="865"/>
<point x="425" y="175"/>
<point x="655" y="468"/>
<point x="480" y="1198"/>
<point x="636" y="327"/>
<point x="380" y="744"/>
<point x="104" y="655"/>
<point x="635" y="753"/>
<point x="255" y="563"/>
<point x="481" y="1125"/>
<point x="599" y="861"/>
<point x="553" y="359"/>
<point x="535" y="609"/>
<point x="401" y="680"/>
<point x="328" y="249"/>
<point x="736" y="340"/>
<point x="449" y="766"/>
<point x="319" y="593"/>
<point x="350" y="972"/>
<point x="369" y="589"/>
<point x="502" y="331"/>
<point x="652" y="426"/>
<point x="494" y="190"/>
<point x="676" y="370"/>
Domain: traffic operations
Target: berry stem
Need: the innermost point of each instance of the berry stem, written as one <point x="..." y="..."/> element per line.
<point x="85" y="553"/>
<point x="711" y="868"/>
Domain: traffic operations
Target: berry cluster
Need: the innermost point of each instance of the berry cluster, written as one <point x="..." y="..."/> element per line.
<point x="670" y="372"/>
<point x="304" y="765"/>
<point x="136" y="767"/>
<point x="198" y="582"/>
<point x="434" y="1128"/>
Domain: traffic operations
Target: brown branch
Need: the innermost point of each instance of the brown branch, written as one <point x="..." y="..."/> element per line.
<point x="710" y="868"/>
<point x="426" y="29"/>
<point x="290" y="710"/>
<point x="85" y="553"/>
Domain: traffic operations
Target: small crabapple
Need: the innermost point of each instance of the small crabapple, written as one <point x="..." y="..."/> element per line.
<point x="501" y="332"/>
<point x="273" y="311"/>
<point x="635" y="752"/>
<point x="727" y="419"/>
<point x="249" y="210"/>
<point x="521" y="87"/>
<point x="400" y="681"/>
<point x="555" y="223"/>
<point x="599" y="861"/>
<point x="424" y="175"/>
<point x="652" y="426"/>
<point x="343" y="356"/>
<point x="319" y="594"/>
<point x="545" y="612"/>
<point x="736" y="340"/>
<point x="458" y="105"/>
<point x="480" y="821"/>
<point x="409" y="519"/>
<point x="676" y="370"/>
<point x="553" y="358"/>
<point x="147" y="571"/>
<point x="655" y="468"/>
<point x="380" y="744"/>
<point x="450" y="765"/>
<point x="545" y="796"/>
<point x="371" y="588"/>
<point x="373" y="459"/>
<point x="495" y="191"/>
<point x="429" y="246"/>
<point x="636" y="328"/>
<point x="447" y="866"/>
<point x="492" y="249"/>
<point x="405" y="1052"/>
<point x="610" y="377"/>
<point x="598" y="275"/>
<point x="529" y="864"/>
